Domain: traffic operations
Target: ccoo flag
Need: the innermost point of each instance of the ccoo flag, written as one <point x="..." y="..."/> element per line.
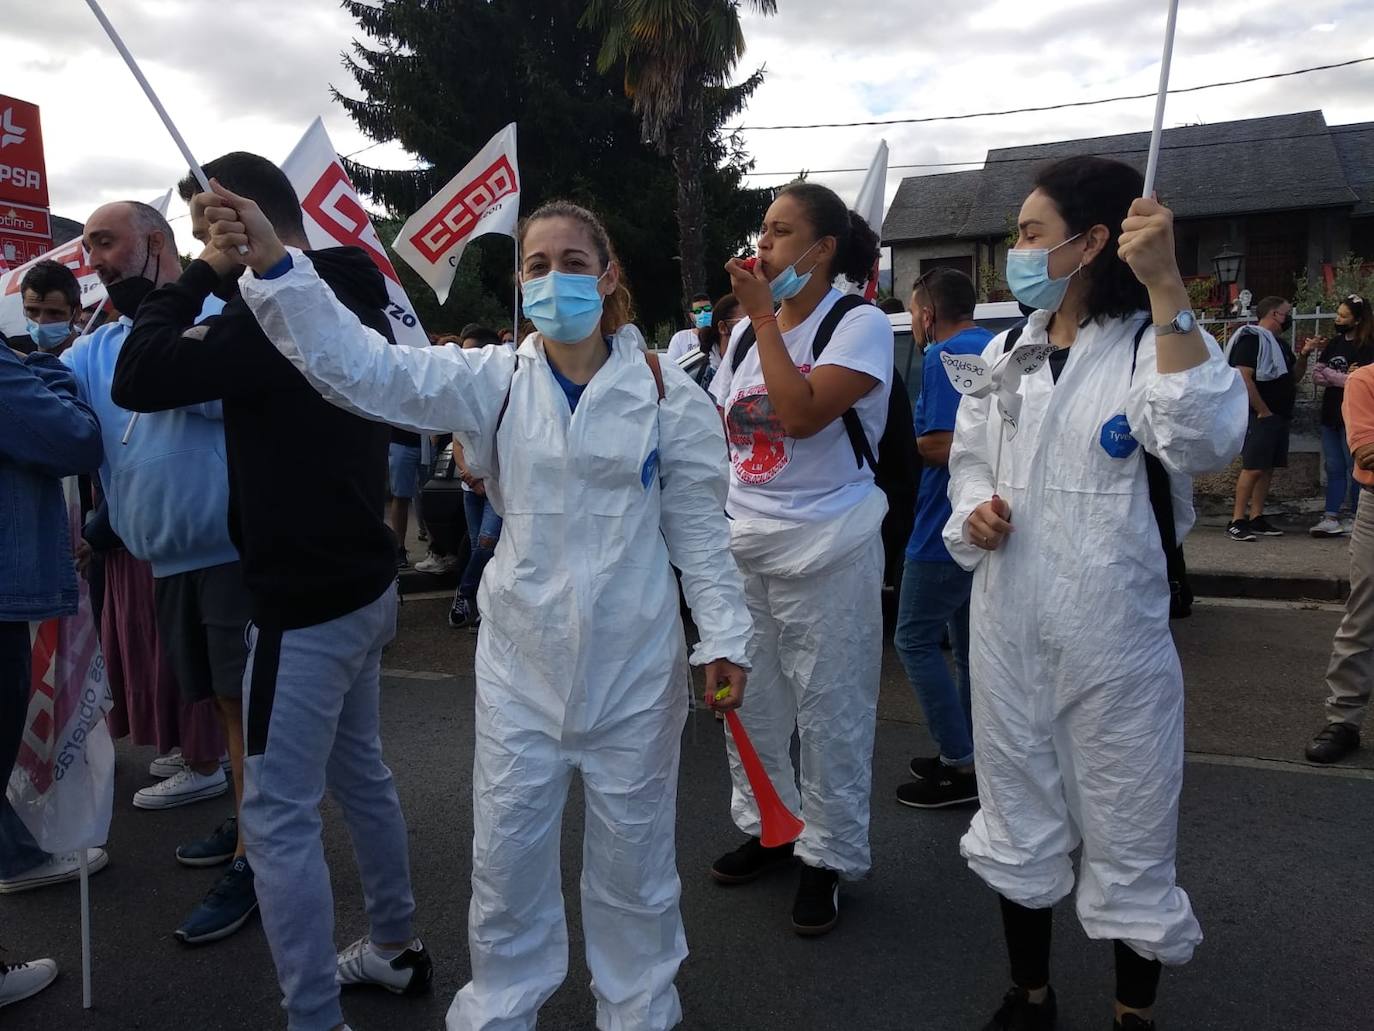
<point x="483" y="198"/>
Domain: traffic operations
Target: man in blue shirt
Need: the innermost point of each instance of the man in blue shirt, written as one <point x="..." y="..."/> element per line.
<point x="935" y="592"/>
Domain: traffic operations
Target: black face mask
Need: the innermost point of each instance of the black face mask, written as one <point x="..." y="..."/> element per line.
<point x="128" y="293"/>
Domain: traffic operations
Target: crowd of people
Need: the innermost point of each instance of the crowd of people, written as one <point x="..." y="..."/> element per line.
<point x="600" y="484"/>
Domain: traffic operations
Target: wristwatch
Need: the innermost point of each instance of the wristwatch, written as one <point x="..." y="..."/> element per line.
<point x="1184" y="322"/>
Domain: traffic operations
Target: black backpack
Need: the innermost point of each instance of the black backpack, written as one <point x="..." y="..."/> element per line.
<point x="1161" y="502"/>
<point x="897" y="466"/>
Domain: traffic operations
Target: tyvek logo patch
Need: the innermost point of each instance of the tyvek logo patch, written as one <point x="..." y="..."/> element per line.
<point x="646" y="474"/>
<point x="1116" y="437"/>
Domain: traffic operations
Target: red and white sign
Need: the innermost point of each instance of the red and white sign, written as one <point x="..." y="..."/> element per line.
<point x="23" y="176"/>
<point x="483" y="198"/>
<point x="335" y="217"/>
<point x="25" y="221"/>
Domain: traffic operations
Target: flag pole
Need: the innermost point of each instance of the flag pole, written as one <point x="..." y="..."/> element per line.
<point x="85" y="930"/>
<point x="1152" y="163"/>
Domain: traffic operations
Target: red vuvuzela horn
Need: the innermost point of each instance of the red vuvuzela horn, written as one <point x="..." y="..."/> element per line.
<point x="779" y="826"/>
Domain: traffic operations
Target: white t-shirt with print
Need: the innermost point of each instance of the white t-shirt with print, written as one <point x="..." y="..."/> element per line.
<point x="683" y="340"/>
<point x="780" y="477"/>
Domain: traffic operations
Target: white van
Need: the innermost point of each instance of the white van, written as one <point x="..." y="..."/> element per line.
<point x="995" y="317"/>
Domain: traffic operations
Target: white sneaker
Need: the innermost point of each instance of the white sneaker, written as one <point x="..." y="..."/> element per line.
<point x="433" y="563"/>
<point x="168" y="765"/>
<point x="59" y="868"/>
<point x="182" y="789"/>
<point x="408" y="973"/>
<point x="1328" y="527"/>
<point x="20" y="980"/>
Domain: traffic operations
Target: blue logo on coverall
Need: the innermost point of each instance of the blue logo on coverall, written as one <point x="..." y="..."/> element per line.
<point x="1116" y="437"/>
<point x="646" y="475"/>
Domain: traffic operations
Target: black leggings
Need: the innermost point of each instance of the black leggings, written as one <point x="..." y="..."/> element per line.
<point x="1028" y="933"/>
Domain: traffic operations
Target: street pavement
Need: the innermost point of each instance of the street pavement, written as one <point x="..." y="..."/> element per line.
<point x="1274" y="853"/>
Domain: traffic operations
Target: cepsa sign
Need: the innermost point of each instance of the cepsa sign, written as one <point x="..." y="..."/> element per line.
<point x="23" y="177"/>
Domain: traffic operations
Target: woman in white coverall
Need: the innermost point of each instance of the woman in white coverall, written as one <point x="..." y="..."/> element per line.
<point x="1077" y="690"/>
<point x="581" y="660"/>
<point x="805" y="528"/>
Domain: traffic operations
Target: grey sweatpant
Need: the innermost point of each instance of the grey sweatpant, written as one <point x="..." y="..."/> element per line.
<point x="311" y="722"/>
<point x="1350" y="675"/>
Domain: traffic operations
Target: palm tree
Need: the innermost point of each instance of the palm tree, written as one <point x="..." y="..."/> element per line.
<point x="678" y="56"/>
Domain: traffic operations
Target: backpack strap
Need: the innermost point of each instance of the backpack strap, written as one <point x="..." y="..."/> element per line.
<point x="1013" y="335"/>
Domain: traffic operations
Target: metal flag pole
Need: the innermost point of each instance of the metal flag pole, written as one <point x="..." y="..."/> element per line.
<point x="1152" y="164"/>
<point x="85" y="930"/>
<point x="515" y="291"/>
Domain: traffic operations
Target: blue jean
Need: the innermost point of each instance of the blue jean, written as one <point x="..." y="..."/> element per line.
<point x="1340" y="468"/>
<point x="311" y="721"/>
<point x="935" y="595"/>
<point x="19" y="853"/>
<point x="484" y="530"/>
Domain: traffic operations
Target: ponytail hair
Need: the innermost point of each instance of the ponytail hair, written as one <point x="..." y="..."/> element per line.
<point x="856" y="244"/>
<point x="618" y="309"/>
<point x="1363" y="330"/>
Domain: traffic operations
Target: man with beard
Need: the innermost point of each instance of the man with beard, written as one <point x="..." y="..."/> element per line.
<point x="167" y="494"/>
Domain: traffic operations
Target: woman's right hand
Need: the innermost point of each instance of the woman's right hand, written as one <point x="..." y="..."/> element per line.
<point x="988" y="525"/>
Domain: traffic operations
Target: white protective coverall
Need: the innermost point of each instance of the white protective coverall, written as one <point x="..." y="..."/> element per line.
<point x="581" y="660"/>
<point x="1077" y="688"/>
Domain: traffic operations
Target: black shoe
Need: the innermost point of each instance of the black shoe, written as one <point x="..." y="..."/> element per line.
<point x="464" y="613"/>
<point x="1264" y="528"/>
<point x="1334" y="743"/>
<point x="924" y="769"/>
<point x="1239" y="530"/>
<point x="818" y="901"/>
<point x="1133" y="1022"/>
<point x="1019" y="1014"/>
<point x="748" y="861"/>
<point x="946" y="786"/>
<point x="402" y="559"/>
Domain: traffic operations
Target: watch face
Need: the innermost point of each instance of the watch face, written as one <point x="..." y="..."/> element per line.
<point x="1185" y="322"/>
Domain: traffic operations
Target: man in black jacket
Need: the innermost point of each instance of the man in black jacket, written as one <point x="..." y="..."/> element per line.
<point x="320" y="566"/>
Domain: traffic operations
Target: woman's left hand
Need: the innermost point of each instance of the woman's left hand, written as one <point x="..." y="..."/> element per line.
<point x="750" y="287"/>
<point x="724" y="675"/>
<point x="1147" y="243"/>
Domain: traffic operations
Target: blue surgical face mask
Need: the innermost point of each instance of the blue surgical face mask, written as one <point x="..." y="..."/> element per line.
<point x="1028" y="277"/>
<point x="703" y="318"/>
<point x="564" y="307"/>
<point x="787" y="283"/>
<point x="48" y="336"/>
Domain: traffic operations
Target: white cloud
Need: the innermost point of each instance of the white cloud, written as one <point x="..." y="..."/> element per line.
<point x="256" y="79"/>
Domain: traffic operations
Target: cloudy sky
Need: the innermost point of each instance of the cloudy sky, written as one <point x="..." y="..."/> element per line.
<point x="257" y="80"/>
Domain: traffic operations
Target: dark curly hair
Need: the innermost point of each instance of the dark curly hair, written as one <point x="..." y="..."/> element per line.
<point x="856" y="244"/>
<point x="1091" y="191"/>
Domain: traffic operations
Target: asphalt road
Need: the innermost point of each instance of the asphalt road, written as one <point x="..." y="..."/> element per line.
<point x="1275" y="855"/>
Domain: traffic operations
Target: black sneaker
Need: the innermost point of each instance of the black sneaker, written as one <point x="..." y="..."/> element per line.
<point x="218" y="847"/>
<point x="227" y="908"/>
<point x="463" y="613"/>
<point x="1264" y="528"/>
<point x="402" y="558"/>
<point x="924" y="768"/>
<point x="945" y="786"/>
<point x="749" y="861"/>
<point x="1133" y="1022"/>
<point x="1018" y="1013"/>
<point x="817" y="908"/>
<point x="1334" y="743"/>
<point x="1239" y="530"/>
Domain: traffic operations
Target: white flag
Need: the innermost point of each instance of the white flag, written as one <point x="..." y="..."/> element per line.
<point x="870" y="205"/>
<point x="483" y="198"/>
<point x="71" y="254"/>
<point x="334" y="217"/>
<point x="62" y="785"/>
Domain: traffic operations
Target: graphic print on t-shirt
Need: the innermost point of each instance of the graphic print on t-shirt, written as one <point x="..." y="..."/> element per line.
<point x="759" y="449"/>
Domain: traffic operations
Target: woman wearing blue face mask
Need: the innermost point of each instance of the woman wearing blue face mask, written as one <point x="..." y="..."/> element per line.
<point x="602" y="477"/>
<point x="805" y="528"/>
<point x="1077" y="691"/>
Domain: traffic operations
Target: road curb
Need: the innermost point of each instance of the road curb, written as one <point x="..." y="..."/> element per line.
<point x="1272" y="588"/>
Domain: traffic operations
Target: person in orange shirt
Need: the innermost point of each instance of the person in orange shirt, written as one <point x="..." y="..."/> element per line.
<point x="1350" y="674"/>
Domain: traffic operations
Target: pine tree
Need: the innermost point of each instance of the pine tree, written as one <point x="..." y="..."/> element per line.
<point x="442" y="76"/>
